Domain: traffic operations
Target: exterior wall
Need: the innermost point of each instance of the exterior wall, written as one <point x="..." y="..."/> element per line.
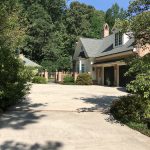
<point x="143" y="50"/>
<point x="125" y="38"/>
<point x="88" y="63"/>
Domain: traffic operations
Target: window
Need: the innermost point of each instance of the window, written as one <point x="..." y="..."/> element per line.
<point x="118" y="39"/>
<point x="83" y="68"/>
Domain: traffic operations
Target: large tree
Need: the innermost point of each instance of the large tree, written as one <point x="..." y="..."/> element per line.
<point x="83" y="21"/>
<point x="137" y="25"/>
<point x="13" y="75"/>
<point x="113" y="13"/>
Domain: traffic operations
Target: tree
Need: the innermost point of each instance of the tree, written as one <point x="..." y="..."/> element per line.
<point x="13" y="75"/>
<point x="97" y="21"/>
<point x="82" y="20"/>
<point x="140" y="68"/>
<point x="52" y="30"/>
<point x="113" y="13"/>
<point x="137" y="25"/>
<point x="39" y="31"/>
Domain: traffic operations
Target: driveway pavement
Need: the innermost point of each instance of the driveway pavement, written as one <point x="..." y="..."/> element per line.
<point x="57" y="117"/>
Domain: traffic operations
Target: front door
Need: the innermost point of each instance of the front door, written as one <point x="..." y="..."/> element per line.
<point x="109" y="76"/>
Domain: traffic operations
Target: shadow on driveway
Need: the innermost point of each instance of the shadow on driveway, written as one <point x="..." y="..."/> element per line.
<point x="10" y="145"/>
<point x="19" y="116"/>
<point x="102" y="105"/>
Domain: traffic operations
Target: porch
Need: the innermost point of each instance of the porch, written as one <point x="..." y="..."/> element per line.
<point x="111" y="73"/>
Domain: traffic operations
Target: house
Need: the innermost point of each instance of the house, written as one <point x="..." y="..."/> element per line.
<point x="104" y="58"/>
<point x="27" y="62"/>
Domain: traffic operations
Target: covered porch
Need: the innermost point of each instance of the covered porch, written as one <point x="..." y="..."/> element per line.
<point x="111" y="73"/>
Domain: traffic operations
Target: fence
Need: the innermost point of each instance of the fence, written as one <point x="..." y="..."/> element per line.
<point x="59" y="76"/>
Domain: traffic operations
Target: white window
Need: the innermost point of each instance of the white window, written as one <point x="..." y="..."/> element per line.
<point x="83" y="68"/>
<point x="118" y="39"/>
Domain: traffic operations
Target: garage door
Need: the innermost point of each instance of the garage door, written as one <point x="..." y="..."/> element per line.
<point x="109" y="76"/>
<point x="123" y="80"/>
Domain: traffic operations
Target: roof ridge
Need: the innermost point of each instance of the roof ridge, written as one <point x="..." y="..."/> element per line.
<point x="89" y="38"/>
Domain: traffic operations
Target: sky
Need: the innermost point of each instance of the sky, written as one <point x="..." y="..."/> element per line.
<point x="104" y="4"/>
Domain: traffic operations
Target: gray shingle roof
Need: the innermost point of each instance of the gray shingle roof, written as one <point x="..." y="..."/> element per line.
<point x="91" y="46"/>
<point x="104" y="47"/>
<point x="29" y="62"/>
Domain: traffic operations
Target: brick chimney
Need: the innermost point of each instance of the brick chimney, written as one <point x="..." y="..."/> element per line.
<point x="106" y="30"/>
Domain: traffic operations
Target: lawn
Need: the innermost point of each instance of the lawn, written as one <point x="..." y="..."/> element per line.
<point x="141" y="127"/>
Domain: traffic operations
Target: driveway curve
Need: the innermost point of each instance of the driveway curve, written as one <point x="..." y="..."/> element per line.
<point x="62" y="117"/>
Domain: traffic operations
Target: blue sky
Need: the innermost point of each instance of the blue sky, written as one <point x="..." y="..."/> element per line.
<point x="104" y="4"/>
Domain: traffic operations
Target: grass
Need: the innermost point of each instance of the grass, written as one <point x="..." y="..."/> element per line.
<point x="141" y="127"/>
<point x="69" y="83"/>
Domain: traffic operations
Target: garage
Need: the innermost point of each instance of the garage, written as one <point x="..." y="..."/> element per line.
<point x="123" y="80"/>
<point x="109" y="76"/>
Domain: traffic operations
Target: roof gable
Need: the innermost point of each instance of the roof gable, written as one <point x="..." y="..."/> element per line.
<point x="102" y="47"/>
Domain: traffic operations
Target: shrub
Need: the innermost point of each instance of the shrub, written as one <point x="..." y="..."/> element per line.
<point x="39" y="80"/>
<point x="68" y="80"/>
<point x="13" y="79"/>
<point x="130" y="108"/>
<point x="84" y="79"/>
<point x="139" y="67"/>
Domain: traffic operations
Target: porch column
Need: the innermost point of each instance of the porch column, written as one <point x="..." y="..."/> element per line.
<point x="80" y="66"/>
<point x="116" y="75"/>
<point x="102" y="74"/>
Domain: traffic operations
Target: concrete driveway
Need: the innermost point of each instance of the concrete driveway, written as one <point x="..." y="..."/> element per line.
<point x="57" y="117"/>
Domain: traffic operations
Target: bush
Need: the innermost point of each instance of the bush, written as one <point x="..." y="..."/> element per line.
<point x="84" y="79"/>
<point x="68" y="80"/>
<point x="130" y="108"/>
<point x="39" y="80"/>
<point x="13" y="79"/>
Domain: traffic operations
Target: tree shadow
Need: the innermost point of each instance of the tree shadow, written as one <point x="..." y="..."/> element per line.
<point x="102" y="105"/>
<point x="122" y="89"/>
<point x="10" y="145"/>
<point x="17" y="117"/>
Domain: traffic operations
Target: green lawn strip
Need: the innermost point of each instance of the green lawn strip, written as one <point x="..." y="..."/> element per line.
<point x="141" y="127"/>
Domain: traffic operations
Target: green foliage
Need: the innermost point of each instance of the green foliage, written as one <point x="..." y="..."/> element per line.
<point x="141" y="127"/>
<point x="14" y="77"/>
<point x="113" y="13"/>
<point x="39" y="80"/>
<point x="140" y="69"/>
<point x="84" y="79"/>
<point x="13" y="74"/>
<point x="97" y="21"/>
<point x="130" y="108"/>
<point x="82" y="20"/>
<point x="135" y="108"/>
<point x="52" y="30"/>
<point x="138" y="21"/>
<point x="68" y="80"/>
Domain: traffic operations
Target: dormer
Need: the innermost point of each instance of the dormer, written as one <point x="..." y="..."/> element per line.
<point x="119" y="37"/>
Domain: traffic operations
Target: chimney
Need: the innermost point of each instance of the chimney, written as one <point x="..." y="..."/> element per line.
<point x="106" y="30"/>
